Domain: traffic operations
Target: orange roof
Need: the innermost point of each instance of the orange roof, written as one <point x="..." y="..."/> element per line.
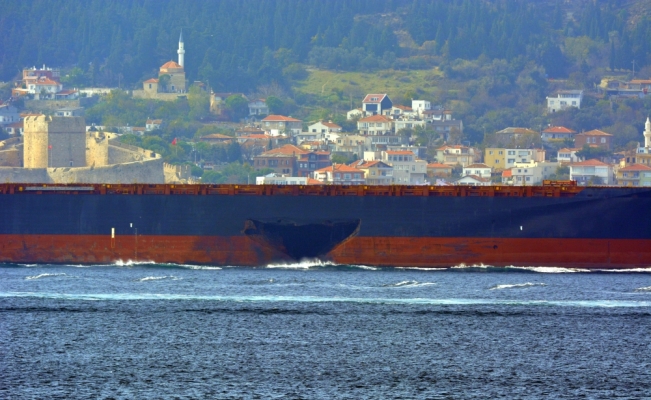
<point x="590" y="163"/>
<point x="288" y="149"/>
<point x="217" y="136"/>
<point x="152" y="80"/>
<point x="595" y="132"/>
<point x="403" y="108"/>
<point x="311" y="181"/>
<point x="641" y="81"/>
<point x="255" y="136"/>
<point x="343" y="168"/>
<point x="558" y="129"/>
<point x="46" y="81"/>
<point x="475" y="177"/>
<point x="635" y="167"/>
<point x="375" y="118"/>
<point x="438" y="165"/>
<point x="478" y="165"/>
<point x="400" y="152"/>
<point x="171" y="64"/>
<point x="378" y="97"/>
<point x="279" y="118"/>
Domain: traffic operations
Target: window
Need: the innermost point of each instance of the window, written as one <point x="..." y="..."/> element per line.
<point x="603" y="140"/>
<point x="528" y="178"/>
<point x="511" y="152"/>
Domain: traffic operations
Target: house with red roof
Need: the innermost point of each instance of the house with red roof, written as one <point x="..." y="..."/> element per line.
<point x="311" y="161"/>
<point x="457" y="154"/>
<point x="377" y="104"/>
<point x="340" y="174"/>
<point x="634" y="175"/>
<point x="438" y="170"/>
<point x="288" y="125"/>
<point x="592" y="172"/>
<point x="282" y="160"/>
<point x="594" y="138"/>
<point x="324" y="127"/>
<point x="557" y="134"/>
<point x="375" y="125"/>
<point x="375" y="172"/>
<point x="477" y="169"/>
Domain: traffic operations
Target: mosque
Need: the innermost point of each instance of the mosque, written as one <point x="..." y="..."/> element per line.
<point x="170" y="83"/>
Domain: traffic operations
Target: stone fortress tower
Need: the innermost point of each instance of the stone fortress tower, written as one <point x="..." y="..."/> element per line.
<point x="52" y="142"/>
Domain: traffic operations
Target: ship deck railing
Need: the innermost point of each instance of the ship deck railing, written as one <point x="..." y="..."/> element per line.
<point x="550" y="190"/>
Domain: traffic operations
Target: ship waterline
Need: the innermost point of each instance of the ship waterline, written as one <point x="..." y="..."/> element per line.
<point x="558" y="226"/>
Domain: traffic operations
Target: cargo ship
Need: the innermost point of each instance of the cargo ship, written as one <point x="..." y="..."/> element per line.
<point x="556" y="224"/>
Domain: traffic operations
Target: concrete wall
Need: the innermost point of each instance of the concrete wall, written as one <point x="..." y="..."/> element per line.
<point x="141" y="94"/>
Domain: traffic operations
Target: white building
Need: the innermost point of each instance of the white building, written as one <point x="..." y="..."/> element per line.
<point x="513" y="156"/>
<point x="8" y="114"/>
<point x="420" y="106"/>
<point x="407" y="169"/>
<point x="564" y="99"/>
<point x="258" y="107"/>
<point x="473" y="180"/>
<point x="481" y="170"/>
<point x="592" y="171"/>
<point x="279" y="179"/>
<point x="532" y="172"/>
<point x="324" y="127"/>
<point x="567" y="155"/>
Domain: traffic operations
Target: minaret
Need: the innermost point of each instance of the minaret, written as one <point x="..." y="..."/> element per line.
<point x="647" y="133"/>
<point x="181" y="51"/>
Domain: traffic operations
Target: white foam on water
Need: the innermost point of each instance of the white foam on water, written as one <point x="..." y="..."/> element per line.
<point x="316" y="299"/>
<point x="204" y="267"/>
<point x="29" y="278"/>
<point x="409" y="284"/>
<point x="159" y="278"/>
<point x="366" y="267"/>
<point x="550" y="270"/>
<point x="130" y="263"/>
<point x="303" y="264"/>
<point x="517" y="286"/>
<point x="425" y="268"/>
<point x="644" y="289"/>
<point x="645" y="270"/>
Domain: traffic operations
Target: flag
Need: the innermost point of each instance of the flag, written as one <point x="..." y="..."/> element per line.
<point x="174" y="142"/>
<point x="49" y="147"/>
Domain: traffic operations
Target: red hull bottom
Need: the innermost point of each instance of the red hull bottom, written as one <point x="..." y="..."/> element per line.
<point x="377" y="251"/>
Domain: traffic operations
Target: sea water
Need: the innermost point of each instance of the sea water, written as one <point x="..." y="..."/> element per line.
<point x="322" y="331"/>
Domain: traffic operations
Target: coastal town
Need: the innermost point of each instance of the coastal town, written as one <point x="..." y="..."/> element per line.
<point x="382" y="142"/>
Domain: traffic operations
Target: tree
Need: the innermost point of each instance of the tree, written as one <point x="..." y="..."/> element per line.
<point x="237" y="107"/>
<point x="199" y="102"/>
<point x="588" y="153"/>
<point x="275" y="105"/>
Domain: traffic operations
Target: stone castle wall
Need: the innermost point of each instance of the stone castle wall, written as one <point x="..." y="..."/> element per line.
<point x="97" y="149"/>
<point x="54" y="141"/>
<point x="49" y="106"/>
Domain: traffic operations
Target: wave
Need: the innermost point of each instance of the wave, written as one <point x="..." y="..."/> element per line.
<point x="316" y="299"/>
<point x="29" y="278"/>
<point x="408" y="284"/>
<point x="303" y="264"/>
<point x="637" y="270"/>
<point x="516" y="286"/>
<point x="644" y="289"/>
<point x="158" y="278"/>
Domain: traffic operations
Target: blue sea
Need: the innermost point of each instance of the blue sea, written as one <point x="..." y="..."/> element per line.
<point x="322" y="331"/>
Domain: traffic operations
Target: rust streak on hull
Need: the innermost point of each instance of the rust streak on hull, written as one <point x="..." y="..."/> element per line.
<point x="379" y="251"/>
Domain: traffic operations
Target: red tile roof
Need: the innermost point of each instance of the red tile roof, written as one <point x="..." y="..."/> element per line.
<point x="558" y="129"/>
<point x="46" y="81"/>
<point x="404" y="108"/>
<point x="439" y="165"/>
<point x="635" y="167"/>
<point x="311" y="181"/>
<point x="594" y="132"/>
<point x="374" y="118"/>
<point x="331" y="125"/>
<point x="280" y="118"/>
<point x="171" y="64"/>
<point x="288" y="149"/>
<point x="378" y="97"/>
<point x="590" y="163"/>
<point x="152" y="80"/>
<point x="478" y="165"/>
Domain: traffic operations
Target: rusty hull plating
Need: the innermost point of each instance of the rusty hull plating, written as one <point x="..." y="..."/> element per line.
<point x="557" y="224"/>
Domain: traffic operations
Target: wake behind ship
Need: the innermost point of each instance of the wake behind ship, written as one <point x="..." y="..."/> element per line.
<point x="558" y="225"/>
